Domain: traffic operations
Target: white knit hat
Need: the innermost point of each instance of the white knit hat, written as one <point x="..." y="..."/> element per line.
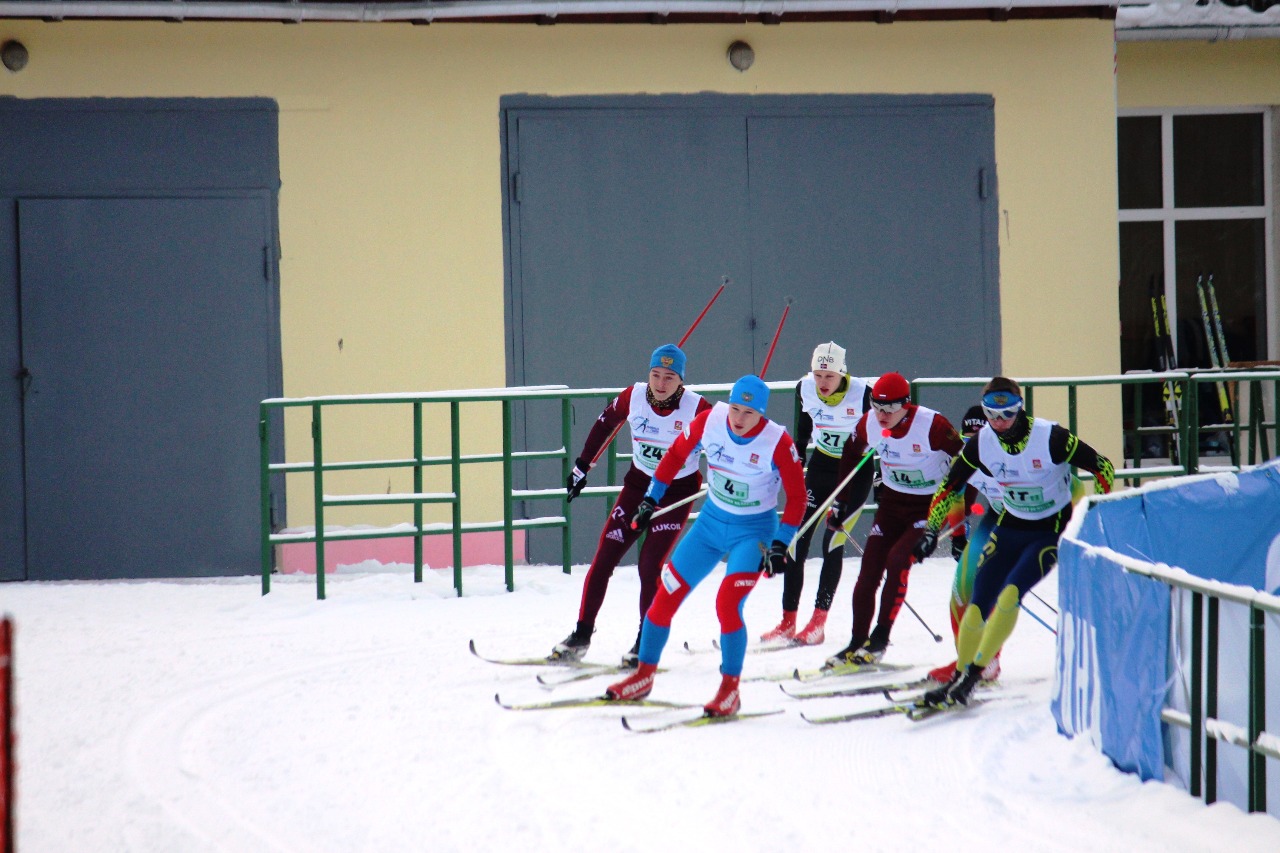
<point x="829" y="356"/>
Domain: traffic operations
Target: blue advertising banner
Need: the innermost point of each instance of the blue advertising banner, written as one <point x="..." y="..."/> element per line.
<point x="1114" y="642"/>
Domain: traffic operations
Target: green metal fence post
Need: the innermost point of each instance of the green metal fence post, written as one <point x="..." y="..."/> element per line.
<point x="264" y="484"/>
<point x="455" y="479"/>
<point x="1257" y="709"/>
<point x="1191" y="429"/>
<point x="1197" y="691"/>
<point x="508" y="508"/>
<point x="417" y="490"/>
<point x="1211" y="704"/>
<point x="317" y="462"/>
<point x="566" y="439"/>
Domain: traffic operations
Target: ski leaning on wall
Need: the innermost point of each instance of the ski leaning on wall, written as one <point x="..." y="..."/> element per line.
<point x="1166" y="360"/>
<point x="1216" y="340"/>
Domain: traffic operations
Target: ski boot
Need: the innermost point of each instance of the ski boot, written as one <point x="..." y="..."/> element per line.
<point x="573" y="647"/>
<point x="873" y="649"/>
<point x="637" y="685"/>
<point x="726" y="702"/>
<point x="786" y="629"/>
<point x="815" y="632"/>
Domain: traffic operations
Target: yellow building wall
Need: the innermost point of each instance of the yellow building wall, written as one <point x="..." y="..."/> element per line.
<point x="1198" y="74"/>
<point x="391" y="208"/>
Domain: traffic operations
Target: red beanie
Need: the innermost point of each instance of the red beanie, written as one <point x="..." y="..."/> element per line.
<point x="890" y="388"/>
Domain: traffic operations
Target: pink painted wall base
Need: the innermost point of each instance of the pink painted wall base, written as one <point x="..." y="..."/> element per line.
<point x="478" y="549"/>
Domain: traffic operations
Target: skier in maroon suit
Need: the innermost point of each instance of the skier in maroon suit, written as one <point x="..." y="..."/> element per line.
<point x="656" y="412"/>
<point x="915" y="446"/>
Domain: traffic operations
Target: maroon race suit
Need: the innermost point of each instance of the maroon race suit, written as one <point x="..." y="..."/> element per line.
<point x="898" y="524"/>
<point x="617" y="536"/>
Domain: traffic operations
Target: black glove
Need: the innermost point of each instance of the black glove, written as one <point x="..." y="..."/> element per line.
<point x="640" y="521"/>
<point x="958" y="543"/>
<point x="927" y="545"/>
<point x="777" y="561"/>
<point x="577" y="479"/>
<point x="837" y="515"/>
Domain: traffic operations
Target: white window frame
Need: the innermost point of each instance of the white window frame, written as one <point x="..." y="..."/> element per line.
<point x="1168" y="215"/>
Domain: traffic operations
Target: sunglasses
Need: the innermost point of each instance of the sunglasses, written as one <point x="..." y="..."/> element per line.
<point x="888" y="408"/>
<point x="1007" y="413"/>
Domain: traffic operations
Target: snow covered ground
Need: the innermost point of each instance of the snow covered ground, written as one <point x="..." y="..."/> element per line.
<point x="199" y="715"/>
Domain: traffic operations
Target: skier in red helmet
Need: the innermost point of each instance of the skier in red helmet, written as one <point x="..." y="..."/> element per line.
<point x="915" y="446"/>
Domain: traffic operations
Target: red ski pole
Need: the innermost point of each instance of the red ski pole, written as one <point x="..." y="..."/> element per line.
<point x="776" y="334"/>
<point x="724" y="282"/>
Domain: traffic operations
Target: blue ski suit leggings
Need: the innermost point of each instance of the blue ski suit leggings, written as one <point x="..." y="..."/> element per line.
<point x="714" y="534"/>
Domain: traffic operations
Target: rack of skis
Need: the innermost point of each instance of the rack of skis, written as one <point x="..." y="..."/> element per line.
<point x="1167" y="358"/>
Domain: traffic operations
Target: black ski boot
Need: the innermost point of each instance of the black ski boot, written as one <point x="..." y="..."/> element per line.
<point x="573" y="647"/>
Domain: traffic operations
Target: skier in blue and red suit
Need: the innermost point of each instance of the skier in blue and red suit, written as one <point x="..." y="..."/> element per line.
<point x="748" y="458"/>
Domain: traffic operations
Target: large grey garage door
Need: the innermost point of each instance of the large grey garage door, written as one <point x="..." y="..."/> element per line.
<point x="141" y="402"/>
<point x="876" y="214"/>
<point x="140" y="327"/>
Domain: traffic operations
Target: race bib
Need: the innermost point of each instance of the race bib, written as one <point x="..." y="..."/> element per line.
<point x="831" y="442"/>
<point x="732" y="492"/>
<point x="1029" y="499"/>
<point x="910" y="478"/>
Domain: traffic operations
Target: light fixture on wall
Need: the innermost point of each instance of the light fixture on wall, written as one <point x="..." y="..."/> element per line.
<point x="14" y="55"/>
<point x="741" y="55"/>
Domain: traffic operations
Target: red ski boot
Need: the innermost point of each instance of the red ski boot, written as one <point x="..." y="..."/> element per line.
<point x="942" y="675"/>
<point x="635" y="686"/>
<point x="727" y="702"/>
<point x="786" y="628"/>
<point x="814" y="633"/>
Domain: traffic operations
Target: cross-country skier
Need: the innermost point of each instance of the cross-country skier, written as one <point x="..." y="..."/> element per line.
<point x="748" y="457"/>
<point x="1030" y="459"/>
<point x="915" y="445"/>
<point x="656" y="412"/>
<point x="967" y="545"/>
<point x="830" y="402"/>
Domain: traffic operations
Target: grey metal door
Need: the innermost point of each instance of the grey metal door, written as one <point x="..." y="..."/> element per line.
<point x="146" y="330"/>
<point x="881" y="221"/>
<point x="876" y="214"/>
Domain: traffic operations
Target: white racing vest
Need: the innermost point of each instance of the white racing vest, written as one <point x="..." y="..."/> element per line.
<point x="741" y="477"/>
<point x="652" y="434"/>
<point x="909" y="464"/>
<point x="1032" y="486"/>
<point x="989" y="488"/>
<point x="832" y="424"/>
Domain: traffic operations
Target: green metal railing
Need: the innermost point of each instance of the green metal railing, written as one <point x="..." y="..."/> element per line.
<point x="1202" y="720"/>
<point x="507" y="457"/>
<point x="1254" y="429"/>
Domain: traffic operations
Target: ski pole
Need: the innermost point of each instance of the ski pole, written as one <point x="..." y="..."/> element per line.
<point x="1037" y="618"/>
<point x="820" y="511"/>
<point x="666" y="509"/>
<point x="724" y="283"/>
<point x="1042" y="601"/>
<point x="776" y="334"/>
<point x="937" y="638"/>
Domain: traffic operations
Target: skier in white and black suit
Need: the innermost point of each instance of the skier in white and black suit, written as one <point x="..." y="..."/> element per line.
<point x="831" y="402"/>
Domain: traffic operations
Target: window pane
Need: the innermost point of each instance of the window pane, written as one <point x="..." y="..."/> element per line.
<point x="1138" y="152"/>
<point x="1141" y="272"/>
<point x="1217" y="160"/>
<point x="1232" y="250"/>
<point x="1141" y="269"/>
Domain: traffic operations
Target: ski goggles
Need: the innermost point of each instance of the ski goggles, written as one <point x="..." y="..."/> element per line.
<point x="889" y="406"/>
<point x="1001" y="405"/>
